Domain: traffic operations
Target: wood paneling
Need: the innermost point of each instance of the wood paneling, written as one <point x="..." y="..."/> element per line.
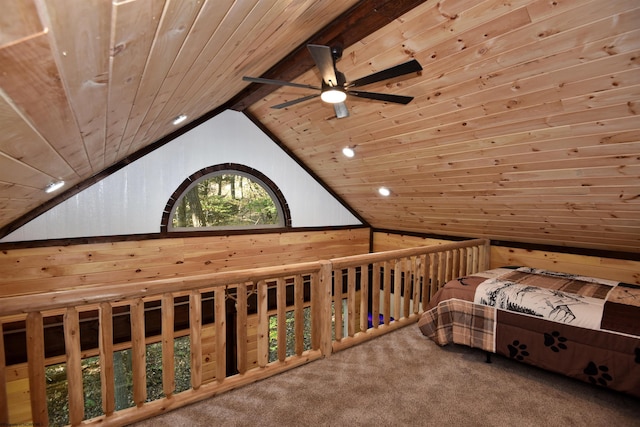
<point x="37" y="270"/>
<point x="627" y="271"/>
<point x="523" y="128"/>
<point x="623" y="270"/>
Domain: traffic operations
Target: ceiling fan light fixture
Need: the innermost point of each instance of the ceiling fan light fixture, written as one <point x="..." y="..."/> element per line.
<point x="333" y="96"/>
<point x="53" y="186"/>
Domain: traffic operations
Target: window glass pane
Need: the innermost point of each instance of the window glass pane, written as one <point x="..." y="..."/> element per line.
<point x="226" y="200"/>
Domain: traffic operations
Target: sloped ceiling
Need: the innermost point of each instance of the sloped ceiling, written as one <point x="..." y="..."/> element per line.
<point x="524" y="125"/>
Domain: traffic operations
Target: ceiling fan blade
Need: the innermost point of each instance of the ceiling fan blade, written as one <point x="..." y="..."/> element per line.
<point x="398" y="99"/>
<point x="341" y="110"/>
<point x="390" y="73"/>
<point x="278" y="82"/>
<point x="324" y="61"/>
<point x="294" y="101"/>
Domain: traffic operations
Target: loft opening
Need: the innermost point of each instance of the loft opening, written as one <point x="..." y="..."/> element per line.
<point x="226" y="197"/>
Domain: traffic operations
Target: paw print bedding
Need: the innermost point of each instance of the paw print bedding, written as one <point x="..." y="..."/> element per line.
<point x="583" y="327"/>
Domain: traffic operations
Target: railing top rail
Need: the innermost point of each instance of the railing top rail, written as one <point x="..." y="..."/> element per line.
<point x="95" y="294"/>
<point x="357" y="260"/>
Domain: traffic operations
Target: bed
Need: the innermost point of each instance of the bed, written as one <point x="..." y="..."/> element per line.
<point x="583" y="327"/>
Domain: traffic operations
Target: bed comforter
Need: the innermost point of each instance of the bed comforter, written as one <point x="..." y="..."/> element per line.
<point x="583" y="327"/>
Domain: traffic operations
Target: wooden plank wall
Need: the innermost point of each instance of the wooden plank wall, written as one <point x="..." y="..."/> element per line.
<point x="45" y="269"/>
<point x="383" y="241"/>
<point x="622" y="270"/>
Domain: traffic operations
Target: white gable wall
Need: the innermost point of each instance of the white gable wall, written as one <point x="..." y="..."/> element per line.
<point x="131" y="201"/>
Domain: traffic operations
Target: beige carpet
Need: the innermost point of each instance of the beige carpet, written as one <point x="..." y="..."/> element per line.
<point x="404" y="379"/>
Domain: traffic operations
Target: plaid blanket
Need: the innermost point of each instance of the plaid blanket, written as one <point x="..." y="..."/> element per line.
<point x="460" y="322"/>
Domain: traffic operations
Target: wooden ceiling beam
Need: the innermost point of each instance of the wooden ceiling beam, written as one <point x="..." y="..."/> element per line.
<point x="361" y="20"/>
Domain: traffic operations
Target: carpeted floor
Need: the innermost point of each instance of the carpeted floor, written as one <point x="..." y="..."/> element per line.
<point x="402" y="378"/>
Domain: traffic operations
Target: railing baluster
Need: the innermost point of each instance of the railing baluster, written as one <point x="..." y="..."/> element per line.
<point x="221" y="333"/>
<point x="324" y="297"/>
<point x="375" y="297"/>
<point x="298" y="293"/>
<point x="464" y="269"/>
<point x="71" y="325"/>
<point x="455" y="270"/>
<point x="364" y="297"/>
<point x="445" y="257"/>
<point x="435" y="283"/>
<point x="426" y="282"/>
<point x="35" y="358"/>
<point x="446" y="271"/>
<point x="168" y="357"/>
<point x="281" y="297"/>
<point x="397" y="288"/>
<point x="195" y="326"/>
<point x="416" y="265"/>
<point x="386" y="305"/>
<point x="241" y="327"/>
<point x="4" y="406"/>
<point x="316" y="310"/>
<point x="408" y="286"/>
<point x="138" y="352"/>
<point x="351" y="301"/>
<point x="337" y="304"/>
<point x="263" y="324"/>
<point x="475" y="259"/>
<point x="107" y="379"/>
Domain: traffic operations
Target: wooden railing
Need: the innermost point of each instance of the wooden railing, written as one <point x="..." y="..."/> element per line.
<point x="348" y="300"/>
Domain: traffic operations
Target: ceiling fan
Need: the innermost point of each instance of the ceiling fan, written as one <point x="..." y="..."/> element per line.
<point x="335" y="87"/>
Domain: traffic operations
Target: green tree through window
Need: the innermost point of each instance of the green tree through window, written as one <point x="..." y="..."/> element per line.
<point x="226" y="199"/>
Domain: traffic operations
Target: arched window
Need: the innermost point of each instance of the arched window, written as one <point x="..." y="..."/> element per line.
<point x="226" y="197"/>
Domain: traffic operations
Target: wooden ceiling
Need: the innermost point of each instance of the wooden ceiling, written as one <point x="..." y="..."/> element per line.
<point x="524" y="125"/>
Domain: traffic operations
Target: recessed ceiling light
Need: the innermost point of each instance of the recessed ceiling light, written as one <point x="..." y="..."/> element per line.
<point x="181" y="118"/>
<point x="348" y="152"/>
<point x="384" y="191"/>
<point x="54" y="186"/>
